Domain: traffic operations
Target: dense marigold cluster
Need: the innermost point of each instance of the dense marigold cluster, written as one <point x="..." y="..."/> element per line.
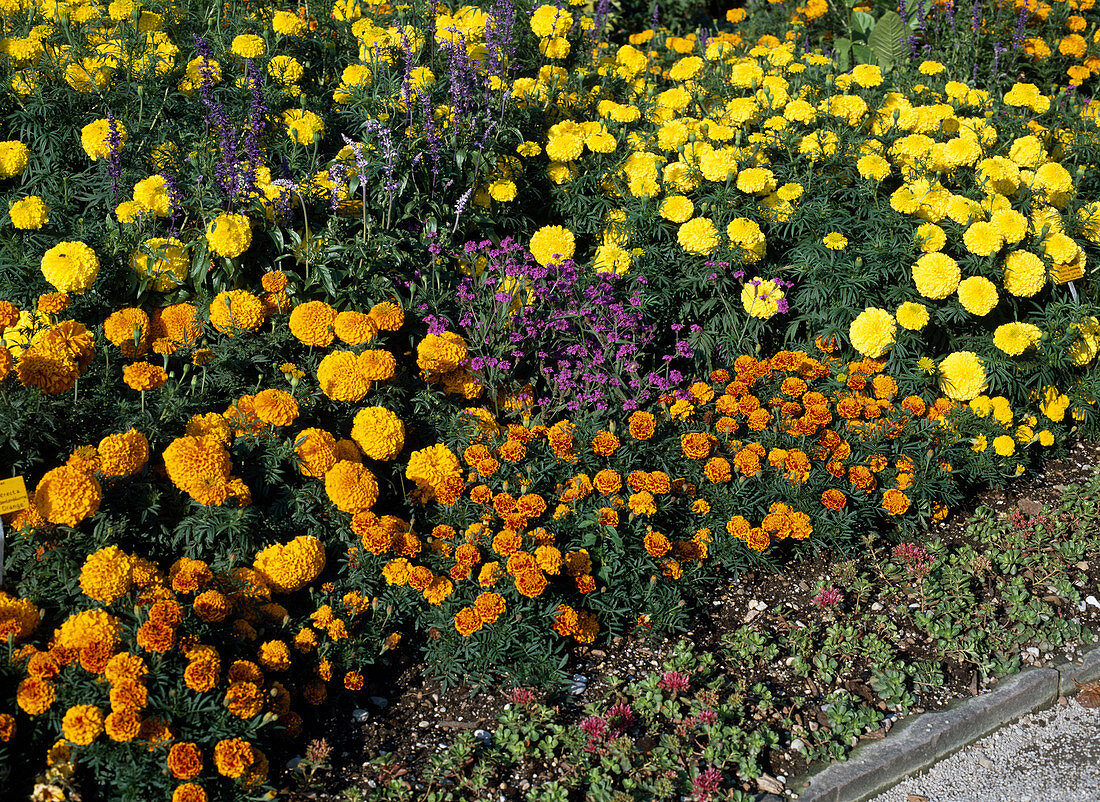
<point x="292" y="566"/>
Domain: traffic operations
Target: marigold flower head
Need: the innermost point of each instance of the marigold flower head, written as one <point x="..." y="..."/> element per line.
<point x="962" y="376"/>
<point x="14" y="157"/>
<point x="872" y="332"/>
<point x="67" y="496"/>
<point x="70" y="267"/>
<point x="341" y="377"/>
<point x="229" y="235"/>
<point x="312" y="323"/>
<point x="232" y="757"/>
<point x="107" y="575"/>
<point x="95" y="137"/>
<point x="82" y="724"/>
<point x="387" y="315"/>
<point x="144" y="376"/>
<point x="936" y="275"/>
<point x="276" y="407"/>
<point x="233" y="310"/>
<point x="378" y="432"/>
<point x="355" y="328"/>
<point x="1015" y="338"/>
<point x="552" y="244"/>
<point x="29" y="213"/>
<point x="351" y="487"/>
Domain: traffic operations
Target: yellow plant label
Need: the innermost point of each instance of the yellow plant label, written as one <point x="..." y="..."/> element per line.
<point x="13" y="495"/>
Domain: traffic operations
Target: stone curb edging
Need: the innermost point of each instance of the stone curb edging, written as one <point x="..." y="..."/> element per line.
<point x="928" y="738"/>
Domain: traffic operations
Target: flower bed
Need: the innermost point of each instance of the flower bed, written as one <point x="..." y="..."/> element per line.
<point x="478" y="328"/>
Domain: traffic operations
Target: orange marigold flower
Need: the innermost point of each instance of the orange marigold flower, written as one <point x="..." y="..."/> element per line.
<point x="67" y="496"/>
<point x="489" y="606"/>
<point x="657" y="544"/>
<point x="276" y="407"/>
<point x="717" y="470"/>
<point x="122" y="725"/>
<point x="236" y="310"/>
<point x="144" y="376"/>
<point x="642" y="425"/>
<point x="833" y="499"/>
<point x="604" y="444"/>
<point x="467" y="621"/>
<point x="696" y="445"/>
<point x="531" y="583"/>
<point x="895" y="502"/>
<point x="233" y="757"/>
<point x="82" y="724"/>
<point x="129" y="329"/>
<point x="189" y="792"/>
<point x="353" y="681"/>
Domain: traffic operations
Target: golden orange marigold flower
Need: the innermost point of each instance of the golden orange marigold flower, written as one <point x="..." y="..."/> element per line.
<point x="67" y="496"/>
<point x="82" y="724"/>
<point x="185" y="760"/>
<point x="233" y="757"/>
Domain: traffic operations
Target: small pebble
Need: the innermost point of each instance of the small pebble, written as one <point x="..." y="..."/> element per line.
<point x="360" y="716"/>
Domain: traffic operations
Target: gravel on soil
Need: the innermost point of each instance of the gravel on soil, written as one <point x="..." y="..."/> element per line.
<point x="1049" y="756"/>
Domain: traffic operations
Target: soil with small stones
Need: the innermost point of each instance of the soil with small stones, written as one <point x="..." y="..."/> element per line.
<point x="409" y="717"/>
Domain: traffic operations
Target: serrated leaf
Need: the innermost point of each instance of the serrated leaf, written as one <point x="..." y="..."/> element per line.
<point x="886" y="39"/>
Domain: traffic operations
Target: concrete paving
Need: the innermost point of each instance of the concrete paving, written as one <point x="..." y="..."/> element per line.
<point x="1049" y="756"/>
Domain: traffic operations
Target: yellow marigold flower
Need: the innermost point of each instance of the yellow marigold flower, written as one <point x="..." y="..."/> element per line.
<point x="351" y="487"/>
<point x="29" y="213"/>
<point x="128" y="211"/>
<point x="388" y="316"/>
<point x="70" y="267"/>
<point x="292" y="566"/>
<point x="1015" y="338"/>
<point x="551" y="21"/>
<point x="1004" y="445"/>
<point x="248" y="46"/>
<point x="756" y="181"/>
<point x="200" y="467"/>
<point x="163" y="260"/>
<point x="552" y="244"/>
<point x="913" y="316"/>
<point x="835" y="241"/>
<point x="962" y="376"/>
<point x="287" y="23"/>
<point x="233" y="310"/>
<point x="14" y="156"/>
<point x="229" y="235"/>
<point x="441" y="353"/>
<point x="983" y="239"/>
<point x="936" y="275"/>
<point x="502" y="190"/>
<point x="872" y="332"/>
<point x="303" y="126"/>
<point x="276" y="407"/>
<point x="152" y="194"/>
<point x="377" y="365"/>
<point x="432" y="467"/>
<point x="1025" y="274"/>
<point x="82" y="724"/>
<point x="316" y="449"/>
<point x="698" y="236"/>
<point x="761" y="298"/>
<point x="378" y="432"/>
<point x="677" y="208"/>
<point x="341" y="377"/>
<point x="978" y="295"/>
<point x="67" y="496"/>
<point x="96" y="136"/>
